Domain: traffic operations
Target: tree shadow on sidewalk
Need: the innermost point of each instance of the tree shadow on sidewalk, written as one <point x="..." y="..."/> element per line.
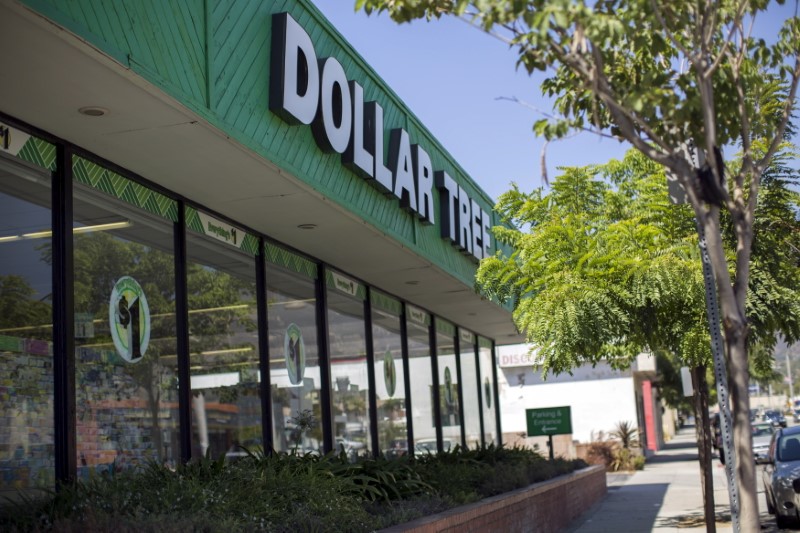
<point x="672" y="458"/>
<point x="723" y="519"/>
<point x="627" y="508"/>
<point x="696" y="519"/>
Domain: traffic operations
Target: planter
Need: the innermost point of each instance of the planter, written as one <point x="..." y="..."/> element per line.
<point x="542" y="507"/>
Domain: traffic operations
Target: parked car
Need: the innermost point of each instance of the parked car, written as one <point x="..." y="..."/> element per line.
<point x="781" y="476"/>
<point x="762" y="436"/>
<point x="774" y="416"/>
<point x="424" y="446"/>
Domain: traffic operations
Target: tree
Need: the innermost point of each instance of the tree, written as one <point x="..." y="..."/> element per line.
<point x="607" y="268"/>
<point x="659" y="75"/>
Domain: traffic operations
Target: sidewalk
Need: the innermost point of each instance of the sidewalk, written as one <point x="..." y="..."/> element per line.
<point x="665" y="496"/>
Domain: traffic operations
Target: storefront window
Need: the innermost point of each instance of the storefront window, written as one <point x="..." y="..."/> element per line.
<point x="469" y="388"/>
<point x="487" y="383"/>
<point x="293" y="352"/>
<point x="390" y="389"/>
<point x="223" y="338"/>
<point x="348" y="356"/>
<point x="418" y="325"/>
<point x="26" y="321"/>
<point x="125" y="344"/>
<point x="449" y="398"/>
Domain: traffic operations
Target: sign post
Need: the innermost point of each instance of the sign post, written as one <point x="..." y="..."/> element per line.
<point x="549" y="421"/>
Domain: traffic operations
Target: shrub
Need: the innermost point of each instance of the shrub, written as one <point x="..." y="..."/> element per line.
<point x="600" y="453"/>
<point x="281" y="492"/>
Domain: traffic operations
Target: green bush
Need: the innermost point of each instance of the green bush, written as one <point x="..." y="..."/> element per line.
<point x="281" y="492"/>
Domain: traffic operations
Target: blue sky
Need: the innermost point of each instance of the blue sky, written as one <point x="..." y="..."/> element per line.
<point x="451" y="76"/>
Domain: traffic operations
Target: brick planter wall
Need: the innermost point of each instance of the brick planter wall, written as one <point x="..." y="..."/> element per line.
<point x="542" y="507"/>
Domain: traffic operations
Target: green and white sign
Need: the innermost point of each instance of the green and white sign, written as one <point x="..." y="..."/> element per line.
<point x="549" y="421"/>
<point x="448" y="386"/>
<point x="221" y="231"/>
<point x="389" y="373"/>
<point x="295" y="352"/>
<point x="129" y="319"/>
<point x="345" y="284"/>
<point x="12" y="140"/>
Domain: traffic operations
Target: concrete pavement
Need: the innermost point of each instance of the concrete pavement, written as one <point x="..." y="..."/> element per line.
<point x="665" y="496"/>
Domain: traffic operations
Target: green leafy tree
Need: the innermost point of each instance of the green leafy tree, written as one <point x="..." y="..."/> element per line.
<point x="19" y="309"/>
<point x="659" y="75"/>
<point x="607" y="268"/>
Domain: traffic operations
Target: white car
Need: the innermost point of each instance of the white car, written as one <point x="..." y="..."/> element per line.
<point x="762" y="436"/>
<point x="781" y="476"/>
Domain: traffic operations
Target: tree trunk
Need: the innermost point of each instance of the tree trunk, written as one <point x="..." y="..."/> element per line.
<point x="731" y="300"/>
<point x="703" y="435"/>
<point x="742" y="432"/>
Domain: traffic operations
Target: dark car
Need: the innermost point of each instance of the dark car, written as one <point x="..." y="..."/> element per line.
<point x="775" y="417"/>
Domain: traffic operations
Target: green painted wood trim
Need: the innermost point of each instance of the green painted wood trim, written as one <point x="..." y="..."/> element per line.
<point x="111" y="183"/>
<point x="444" y="327"/>
<point x="39" y="152"/>
<point x="386" y="303"/>
<point x="282" y="257"/>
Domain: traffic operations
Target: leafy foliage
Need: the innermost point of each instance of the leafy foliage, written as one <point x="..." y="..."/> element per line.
<point x="282" y="492"/>
<point x="607" y="267"/>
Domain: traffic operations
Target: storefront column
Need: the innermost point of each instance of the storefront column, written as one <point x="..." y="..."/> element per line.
<point x="63" y="323"/>
<point x="649" y="418"/>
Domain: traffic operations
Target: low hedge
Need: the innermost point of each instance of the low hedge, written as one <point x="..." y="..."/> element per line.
<point x="281" y="492"/>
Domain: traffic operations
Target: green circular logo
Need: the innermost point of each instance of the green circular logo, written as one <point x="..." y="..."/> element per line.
<point x="129" y="319"/>
<point x="389" y="373"/>
<point x="295" y="351"/>
<point x="487" y="387"/>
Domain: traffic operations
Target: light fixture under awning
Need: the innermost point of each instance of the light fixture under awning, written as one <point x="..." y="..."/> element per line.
<point x="82" y="229"/>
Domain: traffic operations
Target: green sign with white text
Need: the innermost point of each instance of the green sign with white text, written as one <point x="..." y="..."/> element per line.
<point x="549" y="421"/>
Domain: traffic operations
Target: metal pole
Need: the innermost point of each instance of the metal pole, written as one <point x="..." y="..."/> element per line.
<point x="791" y="383"/>
<point x="721" y="375"/>
<point x="550" y="444"/>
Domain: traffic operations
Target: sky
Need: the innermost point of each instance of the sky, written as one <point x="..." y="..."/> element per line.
<point x="453" y="78"/>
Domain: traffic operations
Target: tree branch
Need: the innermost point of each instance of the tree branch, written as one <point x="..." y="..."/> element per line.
<point x="787" y="113"/>
<point x="736" y="24"/>
<point x="530" y="106"/>
<point x="668" y="33"/>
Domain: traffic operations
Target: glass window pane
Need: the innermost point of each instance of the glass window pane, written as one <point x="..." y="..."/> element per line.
<point x="419" y="366"/>
<point x="349" y="377"/>
<point x="223" y="347"/>
<point x="125" y="344"/>
<point x="448" y="385"/>
<point x="469" y="387"/>
<point x="26" y="329"/>
<point x="390" y="390"/>
<point x="487" y="380"/>
<point x="293" y="360"/>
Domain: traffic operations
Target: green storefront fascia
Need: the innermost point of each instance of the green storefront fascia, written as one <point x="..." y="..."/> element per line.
<point x="213" y="56"/>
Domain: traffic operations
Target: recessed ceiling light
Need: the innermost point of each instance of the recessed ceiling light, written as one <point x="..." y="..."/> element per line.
<point x="93" y="111"/>
<point x="307" y="226"/>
